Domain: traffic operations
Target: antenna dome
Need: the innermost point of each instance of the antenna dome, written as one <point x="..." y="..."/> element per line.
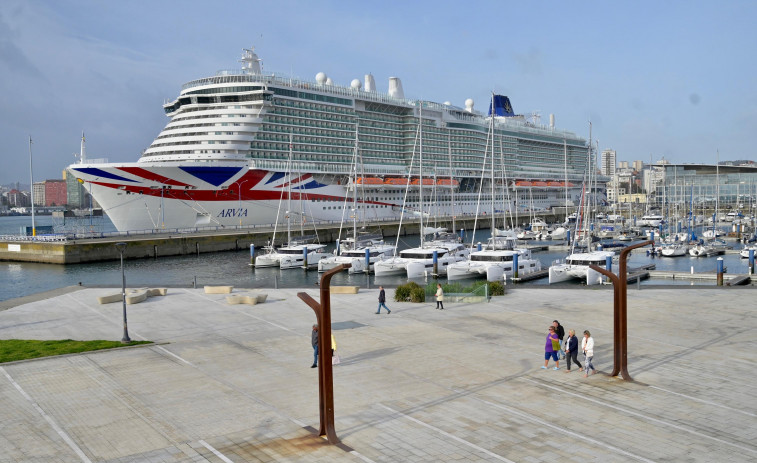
<point x="321" y="78"/>
<point x="356" y="84"/>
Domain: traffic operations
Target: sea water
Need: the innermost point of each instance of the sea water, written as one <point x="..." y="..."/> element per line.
<point x="19" y="279"/>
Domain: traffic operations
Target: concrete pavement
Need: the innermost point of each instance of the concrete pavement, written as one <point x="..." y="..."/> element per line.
<point x="233" y="383"/>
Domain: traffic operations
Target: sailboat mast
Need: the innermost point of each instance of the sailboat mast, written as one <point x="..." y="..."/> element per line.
<point x="452" y="185"/>
<point x="420" y="166"/>
<point x="491" y="132"/>
<point x="354" y="196"/>
<point x="289" y="194"/>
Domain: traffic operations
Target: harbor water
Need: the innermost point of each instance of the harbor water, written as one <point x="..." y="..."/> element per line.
<point x="232" y="268"/>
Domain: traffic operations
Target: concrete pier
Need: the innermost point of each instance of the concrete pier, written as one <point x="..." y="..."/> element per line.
<point x="77" y="251"/>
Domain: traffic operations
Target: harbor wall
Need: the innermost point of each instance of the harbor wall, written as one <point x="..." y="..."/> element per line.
<point x="176" y="244"/>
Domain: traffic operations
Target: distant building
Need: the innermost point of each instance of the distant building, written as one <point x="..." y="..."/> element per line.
<point x="55" y="192"/>
<point x="608" y="162"/>
<point x="18" y="198"/>
<point x="623" y="165"/>
<point x="638" y="166"/>
<point x="39" y="193"/>
<point x="75" y="193"/>
<point x="729" y="186"/>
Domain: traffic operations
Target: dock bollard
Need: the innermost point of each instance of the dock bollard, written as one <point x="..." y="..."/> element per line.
<point x="720" y="271"/>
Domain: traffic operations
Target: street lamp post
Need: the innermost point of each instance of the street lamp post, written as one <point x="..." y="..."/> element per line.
<point x="121" y="248"/>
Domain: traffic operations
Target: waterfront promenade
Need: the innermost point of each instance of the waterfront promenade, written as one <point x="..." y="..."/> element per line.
<point x="233" y="383"/>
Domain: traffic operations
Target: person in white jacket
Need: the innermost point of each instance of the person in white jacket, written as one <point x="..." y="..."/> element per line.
<point x="587" y="346"/>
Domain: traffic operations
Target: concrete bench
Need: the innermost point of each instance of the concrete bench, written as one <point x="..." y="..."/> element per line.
<point x="249" y="299"/>
<point x="133" y="296"/>
<point x="344" y="289"/>
<point x="218" y="289"/>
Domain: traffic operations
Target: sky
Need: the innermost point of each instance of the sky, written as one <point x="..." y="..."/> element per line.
<point x="673" y="79"/>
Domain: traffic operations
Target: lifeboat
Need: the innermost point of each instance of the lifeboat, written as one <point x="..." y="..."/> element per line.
<point x="369" y="181"/>
<point x="448" y="182"/>
<point x="556" y="184"/>
<point x="426" y="181"/>
<point x="539" y="184"/>
<point x="396" y="181"/>
<point x="522" y="183"/>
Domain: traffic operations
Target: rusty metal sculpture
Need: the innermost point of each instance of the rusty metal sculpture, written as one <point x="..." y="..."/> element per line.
<point x="620" y="318"/>
<point x="325" y="370"/>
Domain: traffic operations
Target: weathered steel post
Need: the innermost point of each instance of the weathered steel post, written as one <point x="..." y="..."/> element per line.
<point x="325" y="369"/>
<point x="620" y="324"/>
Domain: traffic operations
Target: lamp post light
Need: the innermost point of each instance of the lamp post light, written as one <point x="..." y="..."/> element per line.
<point x="121" y="248"/>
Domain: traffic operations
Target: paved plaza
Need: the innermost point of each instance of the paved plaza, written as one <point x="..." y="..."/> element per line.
<point x="233" y="383"/>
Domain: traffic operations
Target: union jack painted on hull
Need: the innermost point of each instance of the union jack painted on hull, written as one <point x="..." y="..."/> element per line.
<point x="183" y="196"/>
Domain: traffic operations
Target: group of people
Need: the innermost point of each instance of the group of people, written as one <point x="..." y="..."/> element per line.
<point x="558" y="347"/>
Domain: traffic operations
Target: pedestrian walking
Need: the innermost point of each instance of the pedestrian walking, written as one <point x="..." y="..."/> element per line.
<point x="560" y="335"/>
<point x="314" y="342"/>
<point x="382" y="300"/>
<point x="587" y="346"/>
<point x="571" y="350"/>
<point x="551" y="348"/>
<point x="439" y="297"/>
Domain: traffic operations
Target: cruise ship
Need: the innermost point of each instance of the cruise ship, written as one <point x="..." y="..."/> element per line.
<point x="241" y="143"/>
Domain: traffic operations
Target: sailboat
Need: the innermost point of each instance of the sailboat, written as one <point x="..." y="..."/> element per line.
<point x="417" y="262"/>
<point x="497" y="259"/>
<point x="576" y="265"/>
<point x="712" y="246"/>
<point x="297" y="253"/>
<point x="361" y="251"/>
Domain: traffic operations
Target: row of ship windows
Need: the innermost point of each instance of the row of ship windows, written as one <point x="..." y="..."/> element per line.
<point x="214" y="110"/>
<point x="199" y="134"/>
<point x="313" y="115"/>
<point x="312" y="106"/>
<point x="366" y="206"/>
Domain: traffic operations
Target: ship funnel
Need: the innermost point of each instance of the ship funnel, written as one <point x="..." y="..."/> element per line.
<point x="551" y="121"/>
<point x="395" y="88"/>
<point x="500" y="106"/>
<point x="370" y="83"/>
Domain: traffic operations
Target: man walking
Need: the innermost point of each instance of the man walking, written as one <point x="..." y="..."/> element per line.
<point x="382" y="301"/>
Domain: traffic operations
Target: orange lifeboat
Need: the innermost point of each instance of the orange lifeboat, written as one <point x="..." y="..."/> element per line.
<point x="539" y="184"/>
<point x="447" y="182"/>
<point x="520" y="183"/>
<point x="397" y="181"/>
<point x="369" y="181"/>
<point x="426" y="181"/>
<point x="555" y="184"/>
